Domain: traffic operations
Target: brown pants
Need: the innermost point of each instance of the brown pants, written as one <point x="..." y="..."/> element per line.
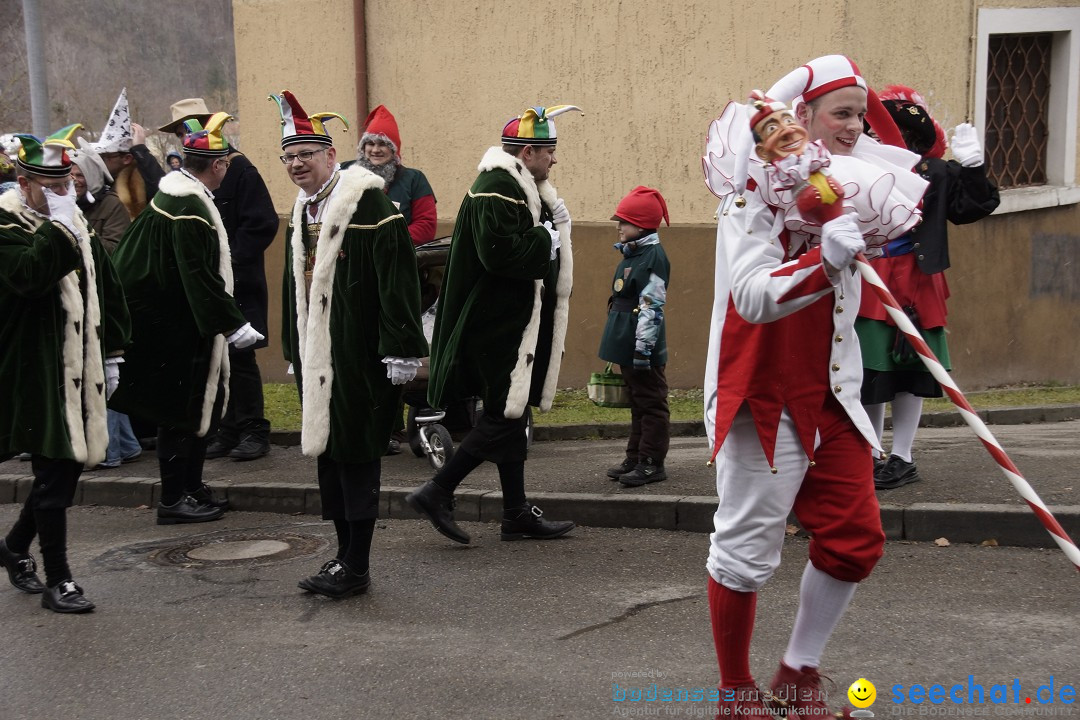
<point x="649" y="415"/>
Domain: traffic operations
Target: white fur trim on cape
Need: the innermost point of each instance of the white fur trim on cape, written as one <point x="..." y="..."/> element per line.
<point x="521" y="376"/>
<point x="313" y="327"/>
<point x="179" y="184"/>
<point x="81" y="352"/>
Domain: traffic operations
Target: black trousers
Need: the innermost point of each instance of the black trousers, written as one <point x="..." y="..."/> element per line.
<point x="349" y="491"/>
<point x="244" y="416"/>
<point x="44" y="514"/>
<point x="650" y="419"/>
<point x="181" y="455"/>
<point x="498" y="439"/>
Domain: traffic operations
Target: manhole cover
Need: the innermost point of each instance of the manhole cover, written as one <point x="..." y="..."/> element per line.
<point x="237" y="548"/>
<point x="221" y="549"/>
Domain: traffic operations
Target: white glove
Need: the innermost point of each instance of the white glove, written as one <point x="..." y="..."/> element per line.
<point x="246" y="336"/>
<point x="401" y="370"/>
<point x="112" y="375"/>
<point x="556" y="243"/>
<point x="965" y="145"/>
<point x="559" y="213"/>
<point x="62" y="207"/>
<point x="841" y="241"/>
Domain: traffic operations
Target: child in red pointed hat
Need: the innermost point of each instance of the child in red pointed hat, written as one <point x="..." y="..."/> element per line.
<point x="634" y="336"/>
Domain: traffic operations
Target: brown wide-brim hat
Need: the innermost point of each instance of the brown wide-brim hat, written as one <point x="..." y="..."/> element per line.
<point x="186" y="109"/>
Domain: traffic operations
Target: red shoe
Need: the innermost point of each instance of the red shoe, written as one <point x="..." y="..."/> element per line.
<point x="799" y="694"/>
<point x="742" y="701"/>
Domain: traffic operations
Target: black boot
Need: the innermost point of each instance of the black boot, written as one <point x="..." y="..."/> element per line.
<point x="622" y="468"/>
<point x="21" y="570"/>
<point x="646" y="471"/>
<point x="525" y="522"/>
<point x="187" y="510"/>
<point x="336" y="580"/>
<point x="438" y="505"/>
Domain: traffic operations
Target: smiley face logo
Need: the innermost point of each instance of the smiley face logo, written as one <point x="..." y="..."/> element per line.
<point x="862" y="693"/>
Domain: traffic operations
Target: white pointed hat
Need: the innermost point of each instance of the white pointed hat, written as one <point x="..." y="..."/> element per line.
<point x="116" y="137"/>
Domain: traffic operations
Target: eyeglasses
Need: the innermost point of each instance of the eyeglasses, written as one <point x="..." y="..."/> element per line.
<point x="303" y="156"/>
<point x="58" y="187"/>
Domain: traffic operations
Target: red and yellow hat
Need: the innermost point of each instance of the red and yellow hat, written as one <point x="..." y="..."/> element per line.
<point x="297" y="126"/>
<point x="534" y="126"/>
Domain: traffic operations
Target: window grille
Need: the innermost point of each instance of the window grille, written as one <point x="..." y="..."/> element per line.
<point x="1017" y="108"/>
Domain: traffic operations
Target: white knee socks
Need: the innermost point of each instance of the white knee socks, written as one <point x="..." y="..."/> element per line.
<point x="906" y="411"/>
<point x="822" y="602"/>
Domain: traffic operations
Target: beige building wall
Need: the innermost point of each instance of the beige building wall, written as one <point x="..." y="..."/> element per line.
<point x="650" y="77"/>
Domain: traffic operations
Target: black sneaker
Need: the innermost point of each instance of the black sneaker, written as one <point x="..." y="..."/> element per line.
<point x="336" y="580"/>
<point x="250" y="448"/>
<point x="896" y="472"/>
<point x="622" y="468"/>
<point x="218" y="449"/>
<point x="646" y="471"/>
<point x="21" y="570"/>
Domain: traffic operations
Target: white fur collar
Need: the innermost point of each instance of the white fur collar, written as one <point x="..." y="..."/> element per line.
<point x="313" y="319"/>
<point x="498" y="159"/>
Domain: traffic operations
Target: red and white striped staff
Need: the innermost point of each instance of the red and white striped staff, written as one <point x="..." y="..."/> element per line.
<point x="966" y="411"/>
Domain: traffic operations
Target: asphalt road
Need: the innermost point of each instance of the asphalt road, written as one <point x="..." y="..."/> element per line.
<point x="493" y="630"/>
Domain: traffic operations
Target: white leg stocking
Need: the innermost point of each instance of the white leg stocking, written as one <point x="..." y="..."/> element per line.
<point x="822" y="602"/>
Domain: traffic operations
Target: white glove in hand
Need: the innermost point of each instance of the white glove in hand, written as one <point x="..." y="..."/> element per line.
<point x="560" y="213"/>
<point x="966" y="147"/>
<point x="556" y="243"/>
<point x="62" y="207"/>
<point x="401" y="370"/>
<point x="841" y="241"/>
<point x="112" y="375"/>
<point x="246" y="336"/>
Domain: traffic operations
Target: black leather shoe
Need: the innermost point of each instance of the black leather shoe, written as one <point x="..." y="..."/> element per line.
<point x="897" y="472"/>
<point x="438" y="505"/>
<point x="218" y="449"/>
<point x="525" y="522"/>
<point x="250" y="448"/>
<point x="622" y="468"/>
<point x="21" y="570"/>
<point x="394" y="447"/>
<point x="66" y="597"/>
<point x="205" y="496"/>
<point x="336" y="580"/>
<point x="646" y="471"/>
<point x="187" y="510"/>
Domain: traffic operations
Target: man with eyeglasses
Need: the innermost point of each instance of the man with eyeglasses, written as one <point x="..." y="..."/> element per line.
<point x="351" y="329"/>
<point x="64" y="325"/>
<point x="175" y="264"/>
<point x="249" y="217"/>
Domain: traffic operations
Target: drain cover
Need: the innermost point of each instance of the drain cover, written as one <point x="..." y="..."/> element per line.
<point x="221" y="549"/>
<point x="244" y="547"/>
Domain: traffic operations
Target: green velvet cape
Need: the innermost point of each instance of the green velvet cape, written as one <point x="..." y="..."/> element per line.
<point x="61" y="311"/>
<point x="501" y="321"/>
<point x="365" y="305"/>
<point x="175" y="267"/>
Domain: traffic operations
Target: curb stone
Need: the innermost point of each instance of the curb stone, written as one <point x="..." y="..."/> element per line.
<point x="920" y="522"/>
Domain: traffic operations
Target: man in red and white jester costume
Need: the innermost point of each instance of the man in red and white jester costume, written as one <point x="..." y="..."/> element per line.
<point x="784" y="371"/>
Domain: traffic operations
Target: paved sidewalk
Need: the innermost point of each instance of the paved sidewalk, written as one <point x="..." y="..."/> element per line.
<point x="964" y="497"/>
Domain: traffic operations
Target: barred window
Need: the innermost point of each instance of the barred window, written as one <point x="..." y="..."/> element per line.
<point x="1017" y="108"/>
